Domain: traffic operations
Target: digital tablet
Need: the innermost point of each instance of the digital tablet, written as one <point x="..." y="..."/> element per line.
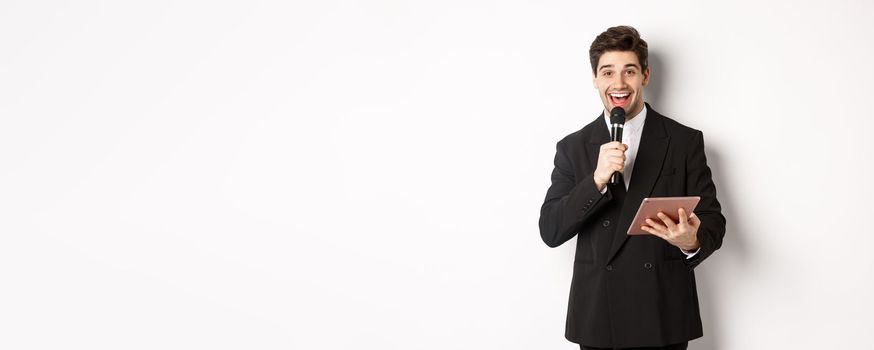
<point x="668" y="205"/>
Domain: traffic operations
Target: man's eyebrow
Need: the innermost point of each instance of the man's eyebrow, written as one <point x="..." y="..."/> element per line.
<point x="634" y="65"/>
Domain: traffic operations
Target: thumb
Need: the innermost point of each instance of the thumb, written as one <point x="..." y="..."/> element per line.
<point x="693" y="219"/>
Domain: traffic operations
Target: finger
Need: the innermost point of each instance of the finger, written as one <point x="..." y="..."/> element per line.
<point x="682" y="214"/>
<point x="667" y="220"/>
<point x="653" y="232"/>
<point x="618" y="157"/>
<point x="610" y="145"/>
<point x="656" y="225"/>
<point x="615" y="153"/>
<point x="662" y="235"/>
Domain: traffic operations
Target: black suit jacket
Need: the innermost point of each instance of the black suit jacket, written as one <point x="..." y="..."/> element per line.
<point x="630" y="291"/>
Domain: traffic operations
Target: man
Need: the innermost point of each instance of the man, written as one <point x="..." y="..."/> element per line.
<point x="631" y="291"/>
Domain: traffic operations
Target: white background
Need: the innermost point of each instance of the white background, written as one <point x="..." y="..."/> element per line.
<point x="369" y="174"/>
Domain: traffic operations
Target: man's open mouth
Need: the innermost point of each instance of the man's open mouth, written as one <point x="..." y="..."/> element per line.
<point x="619" y="99"/>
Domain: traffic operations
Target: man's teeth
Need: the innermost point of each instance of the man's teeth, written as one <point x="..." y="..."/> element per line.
<point x="619" y="95"/>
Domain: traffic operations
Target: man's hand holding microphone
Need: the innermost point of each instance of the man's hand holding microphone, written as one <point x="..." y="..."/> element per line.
<point x="611" y="158"/>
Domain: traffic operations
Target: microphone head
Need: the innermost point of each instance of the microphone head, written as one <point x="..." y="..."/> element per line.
<point x="617" y="116"/>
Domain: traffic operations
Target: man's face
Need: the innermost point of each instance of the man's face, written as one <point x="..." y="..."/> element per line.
<point x="620" y="82"/>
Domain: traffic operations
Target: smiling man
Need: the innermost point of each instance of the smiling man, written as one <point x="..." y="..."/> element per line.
<point x="631" y="292"/>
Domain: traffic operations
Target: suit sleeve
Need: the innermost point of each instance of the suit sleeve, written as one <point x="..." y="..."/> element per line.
<point x="699" y="182"/>
<point x="568" y="204"/>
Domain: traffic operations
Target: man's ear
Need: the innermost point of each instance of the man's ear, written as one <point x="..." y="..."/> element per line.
<point x="646" y="73"/>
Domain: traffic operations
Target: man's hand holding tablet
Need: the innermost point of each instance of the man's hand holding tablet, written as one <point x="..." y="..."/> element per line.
<point x="680" y="230"/>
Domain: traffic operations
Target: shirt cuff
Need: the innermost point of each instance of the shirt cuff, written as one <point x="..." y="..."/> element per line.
<point x="604" y="190"/>
<point x="690" y="255"/>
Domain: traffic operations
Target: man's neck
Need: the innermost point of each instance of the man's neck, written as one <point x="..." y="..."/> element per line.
<point x="632" y="115"/>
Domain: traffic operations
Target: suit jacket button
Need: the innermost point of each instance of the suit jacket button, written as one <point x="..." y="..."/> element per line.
<point x="609" y="267"/>
<point x="606" y="223"/>
<point x="647" y="265"/>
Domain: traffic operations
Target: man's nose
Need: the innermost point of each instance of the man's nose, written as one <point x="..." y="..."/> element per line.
<point x="620" y="82"/>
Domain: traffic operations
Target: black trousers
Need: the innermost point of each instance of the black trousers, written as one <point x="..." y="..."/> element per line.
<point x="680" y="346"/>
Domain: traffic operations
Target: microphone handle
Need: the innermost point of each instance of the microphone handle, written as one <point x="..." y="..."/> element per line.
<point x="616" y="135"/>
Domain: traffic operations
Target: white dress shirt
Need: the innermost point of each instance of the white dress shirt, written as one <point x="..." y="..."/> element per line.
<point x="631" y="137"/>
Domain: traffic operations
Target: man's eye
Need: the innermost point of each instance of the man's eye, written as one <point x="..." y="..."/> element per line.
<point x="607" y="74"/>
<point x="630" y="72"/>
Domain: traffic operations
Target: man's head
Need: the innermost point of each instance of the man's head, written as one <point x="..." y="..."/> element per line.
<point x="620" y="69"/>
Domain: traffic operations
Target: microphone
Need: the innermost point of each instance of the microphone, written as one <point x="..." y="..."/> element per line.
<point x="617" y="122"/>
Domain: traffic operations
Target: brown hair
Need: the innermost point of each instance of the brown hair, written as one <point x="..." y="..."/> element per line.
<point x="621" y="38"/>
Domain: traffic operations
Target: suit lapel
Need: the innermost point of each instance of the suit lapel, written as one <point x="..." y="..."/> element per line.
<point x="599" y="137"/>
<point x="650" y="157"/>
